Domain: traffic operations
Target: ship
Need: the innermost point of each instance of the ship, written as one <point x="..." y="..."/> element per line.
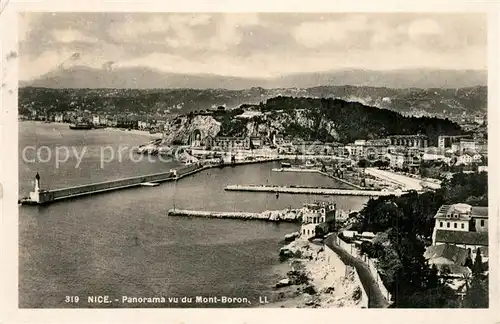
<point x="81" y="125"/>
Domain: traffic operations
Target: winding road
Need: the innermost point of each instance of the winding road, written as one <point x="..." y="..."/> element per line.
<point x="375" y="297"/>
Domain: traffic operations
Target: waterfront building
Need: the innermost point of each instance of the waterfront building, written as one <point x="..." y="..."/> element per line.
<point x="227" y="143"/>
<point x="95" y="120"/>
<point x="461" y="225"/>
<point x="446" y="141"/>
<point x="377" y="148"/>
<point x="316" y="214"/>
<point x="419" y="141"/>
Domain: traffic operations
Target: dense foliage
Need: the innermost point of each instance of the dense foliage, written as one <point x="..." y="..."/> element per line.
<point x="405" y="225"/>
<point x="354" y="120"/>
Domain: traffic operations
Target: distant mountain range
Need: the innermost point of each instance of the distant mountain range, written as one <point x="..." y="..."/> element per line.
<point x="145" y="78"/>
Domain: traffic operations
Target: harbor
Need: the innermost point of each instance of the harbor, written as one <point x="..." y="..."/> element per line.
<point x="41" y="196"/>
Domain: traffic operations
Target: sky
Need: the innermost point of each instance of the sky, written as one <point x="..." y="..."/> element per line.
<point x="250" y="44"/>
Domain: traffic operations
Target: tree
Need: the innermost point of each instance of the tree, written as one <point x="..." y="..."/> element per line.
<point x="363" y="163"/>
<point x="477" y="294"/>
<point x="478" y="263"/>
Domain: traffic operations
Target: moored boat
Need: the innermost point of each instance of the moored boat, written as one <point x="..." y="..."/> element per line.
<point x="80" y="126"/>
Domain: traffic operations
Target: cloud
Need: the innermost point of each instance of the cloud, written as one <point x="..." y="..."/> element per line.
<point x="250" y="44"/>
<point x="132" y="29"/>
<point x="423" y="28"/>
<point x="71" y="36"/>
<point x="315" y="34"/>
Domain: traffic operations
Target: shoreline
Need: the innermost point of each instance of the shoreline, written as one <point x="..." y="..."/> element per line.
<point x="108" y="128"/>
<point x="318" y="280"/>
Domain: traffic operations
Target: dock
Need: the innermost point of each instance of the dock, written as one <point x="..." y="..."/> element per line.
<point x="311" y="190"/>
<point x="272" y="216"/>
<point x="319" y="172"/>
<point x="41" y="196"/>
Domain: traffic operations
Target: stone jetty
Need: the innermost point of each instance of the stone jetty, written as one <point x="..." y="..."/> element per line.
<point x="312" y="190"/>
<point x="286" y="215"/>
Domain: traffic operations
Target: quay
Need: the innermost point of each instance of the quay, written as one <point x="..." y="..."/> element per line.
<point x="41" y="196"/>
<point x="273" y="216"/>
<point x="317" y="171"/>
<point x="312" y="190"/>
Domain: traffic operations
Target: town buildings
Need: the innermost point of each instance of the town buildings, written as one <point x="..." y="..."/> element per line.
<point x="419" y="141"/>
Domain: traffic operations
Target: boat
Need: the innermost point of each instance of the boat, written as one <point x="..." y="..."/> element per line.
<point x="80" y="126"/>
<point x="286" y="165"/>
<point x="150" y="184"/>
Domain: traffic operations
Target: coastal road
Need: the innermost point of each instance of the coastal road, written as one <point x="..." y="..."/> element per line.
<point x="375" y="297"/>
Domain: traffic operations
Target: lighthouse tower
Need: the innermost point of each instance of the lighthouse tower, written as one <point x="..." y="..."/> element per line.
<point x="37" y="182"/>
<point x="35" y="195"/>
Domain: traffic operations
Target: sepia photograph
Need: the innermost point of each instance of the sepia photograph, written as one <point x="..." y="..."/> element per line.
<point x="252" y="160"/>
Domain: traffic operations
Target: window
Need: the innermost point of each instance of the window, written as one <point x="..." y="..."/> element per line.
<point x="463" y="226"/>
<point x="440" y="224"/>
<point x="448" y="224"/>
<point x="482" y="222"/>
<point x="454" y="225"/>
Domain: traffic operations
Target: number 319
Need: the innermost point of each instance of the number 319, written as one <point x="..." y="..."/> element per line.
<point x="72" y="299"/>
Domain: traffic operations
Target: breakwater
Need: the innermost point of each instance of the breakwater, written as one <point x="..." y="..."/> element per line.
<point x="310" y="190"/>
<point x="42" y="196"/>
<point x="317" y="171"/>
<point x="288" y="215"/>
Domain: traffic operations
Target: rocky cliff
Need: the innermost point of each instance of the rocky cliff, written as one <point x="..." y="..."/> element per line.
<point x="179" y="130"/>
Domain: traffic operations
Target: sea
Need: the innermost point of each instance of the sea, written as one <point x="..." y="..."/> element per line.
<point x="122" y="244"/>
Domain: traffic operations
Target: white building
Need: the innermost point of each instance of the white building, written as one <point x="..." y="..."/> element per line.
<point x="462" y="225"/>
<point x="313" y="215"/>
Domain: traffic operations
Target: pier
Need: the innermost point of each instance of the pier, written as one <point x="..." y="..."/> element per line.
<point x="41" y="196"/>
<point x="312" y="190"/>
<point x="317" y="171"/>
<point x="272" y="216"/>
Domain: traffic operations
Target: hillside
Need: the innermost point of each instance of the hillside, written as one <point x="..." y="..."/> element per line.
<point x="440" y="102"/>
<point x="311" y="119"/>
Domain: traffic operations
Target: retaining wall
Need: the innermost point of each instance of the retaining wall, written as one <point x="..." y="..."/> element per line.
<point x="333" y="259"/>
<point x="355" y="252"/>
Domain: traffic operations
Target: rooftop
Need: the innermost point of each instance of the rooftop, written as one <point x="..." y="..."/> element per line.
<point x="455" y="254"/>
<point x="456" y="211"/>
<point x="408" y="136"/>
<point x="459" y="237"/>
<point x="479" y="212"/>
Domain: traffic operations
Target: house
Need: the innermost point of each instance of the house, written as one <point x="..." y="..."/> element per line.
<point x="464" y="159"/>
<point x="477" y="158"/>
<point x="461" y="225"/>
<point x="95" y="120"/>
<point x="446" y="254"/>
<point x="480" y="218"/>
<point x="468" y="145"/>
<point x="445" y="141"/>
<point x="482" y="168"/>
<point x="467" y="240"/>
<point x="315" y="214"/>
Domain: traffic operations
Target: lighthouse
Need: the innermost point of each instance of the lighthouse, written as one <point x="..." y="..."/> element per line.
<point x="39" y="195"/>
<point x="37" y="182"/>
